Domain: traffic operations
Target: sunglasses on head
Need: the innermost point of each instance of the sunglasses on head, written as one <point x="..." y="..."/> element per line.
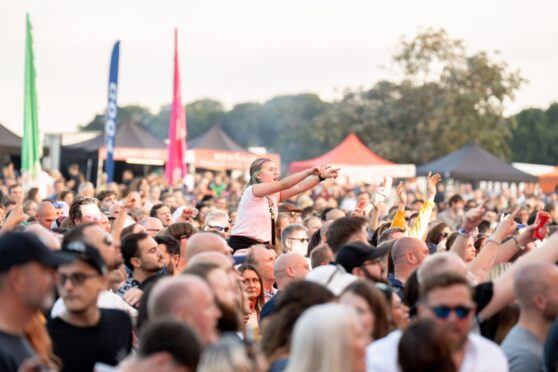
<point x="443" y="312"/>
<point x="219" y="228"/>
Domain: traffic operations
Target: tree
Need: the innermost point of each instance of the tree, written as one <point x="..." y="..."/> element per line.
<point x="535" y="136"/>
<point x="132" y="113"/>
<point x="444" y="99"/>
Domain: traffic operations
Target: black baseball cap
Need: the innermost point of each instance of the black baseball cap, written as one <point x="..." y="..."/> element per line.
<point x="19" y="248"/>
<point x="88" y="254"/>
<point x="355" y="254"/>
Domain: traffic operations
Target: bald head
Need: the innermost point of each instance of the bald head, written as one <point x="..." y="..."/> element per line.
<point x="152" y="225"/>
<point x="407" y="254"/>
<point x="216" y="258"/>
<point x="289" y="267"/>
<point x="206" y="242"/>
<point x="402" y="247"/>
<point x="532" y="285"/>
<point x="334" y="214"/>
<point x="46" y="214"/>
<point x="188" y="298"/>
<point x="441" y="262"/>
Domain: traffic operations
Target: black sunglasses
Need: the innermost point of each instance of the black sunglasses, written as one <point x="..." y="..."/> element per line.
<point x="75" y="278"/>
<point x="443" y="312"/>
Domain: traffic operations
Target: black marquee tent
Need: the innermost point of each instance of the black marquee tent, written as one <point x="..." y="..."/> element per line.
<point x="10" y="143"/>
<point x="473" y="163"/>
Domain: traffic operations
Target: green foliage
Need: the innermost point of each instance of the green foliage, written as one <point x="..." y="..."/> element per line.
<point x="535" y="136"/>
<point x="132" y="113"/>
<point x="444" y="97"/>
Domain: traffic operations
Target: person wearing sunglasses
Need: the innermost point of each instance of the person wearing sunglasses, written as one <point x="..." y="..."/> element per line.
<point x="295" y="239"/>
<point x="447" y="299"/>
<point x="84" y="334"/>
<point x="218" y="221"/>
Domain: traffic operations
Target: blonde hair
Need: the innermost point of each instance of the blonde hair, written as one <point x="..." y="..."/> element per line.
<point x="255" y="169"/>
<point x="322" y="340"/>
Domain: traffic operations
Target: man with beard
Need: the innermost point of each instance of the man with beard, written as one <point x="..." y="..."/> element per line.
<point x="170" y="248"/>
<point x="27" y="278"/>
<point x="109" y="250"/>
<point x="537" y="295"/>
<point x="84" y="334"/>
<point x="226" y="296"/>
<point x="447" y="299"/>
<point x="143" y="257"/>
<point x="363" y="261"/>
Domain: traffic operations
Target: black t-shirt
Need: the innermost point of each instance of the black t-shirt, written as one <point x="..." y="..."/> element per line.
<point x="13" y="351"/>
<point x="551" y="348"/>
<point x="79" y="348"/>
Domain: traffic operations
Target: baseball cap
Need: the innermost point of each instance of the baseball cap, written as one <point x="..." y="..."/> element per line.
<point x="355" y="254"/>
<point x="86" y="253"/>
<point x="19" y="248"/>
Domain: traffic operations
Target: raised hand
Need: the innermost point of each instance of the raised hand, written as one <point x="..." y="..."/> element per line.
<point x="473" y="218"/>
<point x="402" y="194"/>
<point x="507" y="226"/>
<point x="431" y="182"/>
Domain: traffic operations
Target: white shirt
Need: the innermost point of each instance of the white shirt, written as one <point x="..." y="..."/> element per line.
<point x="481" y="355"/>
<point x="253" y="218"/>
<point x="107" y="300"/>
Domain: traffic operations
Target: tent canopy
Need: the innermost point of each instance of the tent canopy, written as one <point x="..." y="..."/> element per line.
<point x="473" y="163"/>
<point x="215" y="139"/>
<point x="132" y="141"/>
<point x="215" y="150"/>
<point x="549" y="181"/>
<point x="357" y="162"/>
<point x="10" y="143"/>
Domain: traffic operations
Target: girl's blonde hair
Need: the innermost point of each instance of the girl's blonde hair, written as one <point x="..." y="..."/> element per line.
<point x="255" y="169"/>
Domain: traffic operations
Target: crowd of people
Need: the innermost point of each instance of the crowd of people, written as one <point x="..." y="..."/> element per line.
<point x="302" y="274"/>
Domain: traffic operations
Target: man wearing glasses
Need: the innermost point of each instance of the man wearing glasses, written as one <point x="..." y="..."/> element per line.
<point x="84" y="334"/>
<point x="447" y="299"/>
<point x="218" y="221"/>
<point x="295" y="239"/>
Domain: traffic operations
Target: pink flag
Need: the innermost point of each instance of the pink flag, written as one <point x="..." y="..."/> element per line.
<point x="176" y="168"/>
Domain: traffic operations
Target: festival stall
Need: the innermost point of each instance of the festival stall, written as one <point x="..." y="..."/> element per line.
<point x="358" y="162"/>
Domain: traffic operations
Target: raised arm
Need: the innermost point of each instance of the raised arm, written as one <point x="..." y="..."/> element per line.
<point x="473" y="218"/>
<point x="324" y="172"/>
<point x="268" y="188"/>
<point x="486" y="259"/>
<point x="419" y="228"/>
<point x="503" y="285"/>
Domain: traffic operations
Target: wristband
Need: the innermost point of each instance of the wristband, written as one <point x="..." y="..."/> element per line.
<point x="462" y="232"/>
<point x="491" y="238"/>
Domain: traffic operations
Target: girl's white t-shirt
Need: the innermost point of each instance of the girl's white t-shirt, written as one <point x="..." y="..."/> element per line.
<point x="253" y="218"/>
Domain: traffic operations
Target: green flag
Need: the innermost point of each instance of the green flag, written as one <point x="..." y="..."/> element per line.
<point x="31" y="143"/>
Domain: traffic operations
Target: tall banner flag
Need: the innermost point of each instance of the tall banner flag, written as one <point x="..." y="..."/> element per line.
<point x="112" y="111"/>
<point x="31" y="149"/>
<point x="176" y="168"/>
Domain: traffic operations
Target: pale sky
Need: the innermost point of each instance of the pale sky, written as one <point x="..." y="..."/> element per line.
<point x="248" y="50"/>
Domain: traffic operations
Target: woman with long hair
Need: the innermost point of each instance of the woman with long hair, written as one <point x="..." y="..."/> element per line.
<point x="291" y="303"/>
<point x="371" y="307"/>
<point x="328" y="338"/>
<point x="253" y="286"/>
<point x="258" y="206"/>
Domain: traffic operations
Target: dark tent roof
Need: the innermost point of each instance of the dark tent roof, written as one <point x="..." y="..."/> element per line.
<point x="473" y="163"/>
<point x="10" y="143"/>
<point x="215" y="139"/>
<point x="127" y="135"/>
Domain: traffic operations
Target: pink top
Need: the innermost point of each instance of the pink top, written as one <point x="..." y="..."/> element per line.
<point x="253" y="219"/>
